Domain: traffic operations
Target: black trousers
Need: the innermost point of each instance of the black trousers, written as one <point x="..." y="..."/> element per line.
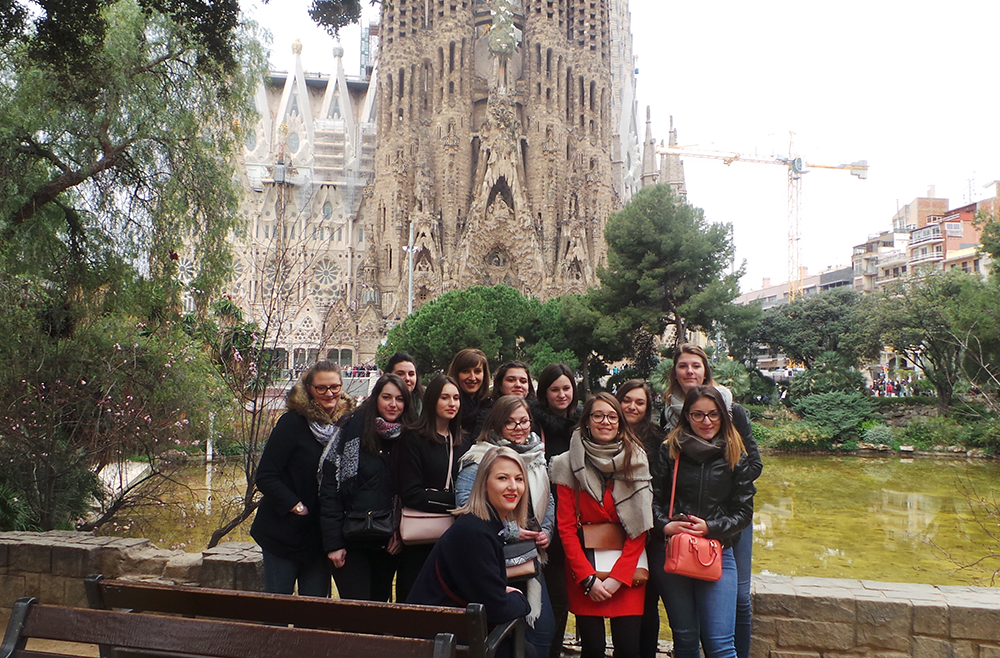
<point x="367" y="574"/>
<point x="624" y="636"/>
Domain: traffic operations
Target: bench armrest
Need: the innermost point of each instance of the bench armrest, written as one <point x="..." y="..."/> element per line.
<point x="514" y="628"/>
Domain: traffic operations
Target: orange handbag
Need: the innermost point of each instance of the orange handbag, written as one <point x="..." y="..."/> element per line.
<point x="689" y="555"/>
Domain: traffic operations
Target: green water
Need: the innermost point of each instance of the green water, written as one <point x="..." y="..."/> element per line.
<point x="887" y="519"/>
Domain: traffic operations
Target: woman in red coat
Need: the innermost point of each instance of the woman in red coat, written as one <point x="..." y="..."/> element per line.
<point x="604" y="479"/>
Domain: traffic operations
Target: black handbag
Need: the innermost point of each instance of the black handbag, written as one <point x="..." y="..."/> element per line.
<point x="368" y="525"/>
<point x="521" y="558"/>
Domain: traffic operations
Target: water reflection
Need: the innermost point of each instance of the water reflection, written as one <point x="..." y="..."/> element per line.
<point x="885" y="519"/>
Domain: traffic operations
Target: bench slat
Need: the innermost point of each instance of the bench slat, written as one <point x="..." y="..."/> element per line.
<point x="220" y="639"/>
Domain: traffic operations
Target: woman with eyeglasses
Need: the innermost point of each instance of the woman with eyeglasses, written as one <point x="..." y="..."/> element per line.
<point x="357" y="493"/>
<point x="636" y="399"/>
<point x="509" y="425"/>
<point x="287" y="522"/>
<point x="714" y="499"/>
<point x="604" y="479"/>
<point x="691" y="368"/>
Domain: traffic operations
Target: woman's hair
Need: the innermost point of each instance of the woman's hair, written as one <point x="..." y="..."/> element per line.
<point x="688" y="348"/>
<point x="466" y="359"/>
<point x="734" y="443"/>
<point x="499" y="414"/>
<point x="629" y="386"/>
<point x="320" y="366"/>
<point x="502" y="372"/>
<point x="631" y="442"/>
<point x="548" y="377"/>
<point x="404" y="357"/>
<point x="426" y="423"/>
<point x="478" y="503"/>
<point x="369" y="411"/>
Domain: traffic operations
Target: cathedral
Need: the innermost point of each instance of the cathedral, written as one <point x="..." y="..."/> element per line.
<point x="484" y="142"/>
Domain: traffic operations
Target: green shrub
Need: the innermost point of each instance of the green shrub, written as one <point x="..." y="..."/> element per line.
<point x="878" y="433"/>
<point x="909" y="401"/>
<point x="838" y="414"/>
<point x="933" y="430"/>
<point x="793" y="436"/>
<point x="983" y="434"/>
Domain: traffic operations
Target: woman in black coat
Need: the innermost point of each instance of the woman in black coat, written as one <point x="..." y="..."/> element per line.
<point x="426" y="477"/>
<point x="286" y="525"/>
<point x="467" y="564"/>
<point x="357" y="494"/>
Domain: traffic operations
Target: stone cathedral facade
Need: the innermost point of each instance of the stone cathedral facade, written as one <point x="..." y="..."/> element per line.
<point x="506" y="137"/>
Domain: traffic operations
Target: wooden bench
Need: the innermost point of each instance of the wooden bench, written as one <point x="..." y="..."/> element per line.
<point x="468" y="626"/>
<point x="147" y="636"/>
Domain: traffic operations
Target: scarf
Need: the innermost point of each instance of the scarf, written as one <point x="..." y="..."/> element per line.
<point x="672" y="414"/>
<point x="589" y="464"/>
<point x="323" y="432"/>
<point x="537" y="478"/>
<point x="699" y="449"/>
<point x="345" y="452"/>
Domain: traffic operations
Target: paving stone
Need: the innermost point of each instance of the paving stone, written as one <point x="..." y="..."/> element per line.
<point x="931" y="647"/>
<point x="975" y="623"/>
<point x="11" y="588"/>
<point x="963" y="649"/>
<point x="795" y="654"/>
<point x="36" y="558"/>
<point x="74" y="560"/>
<point x="988" y="651"/>
<point x="814" y="635"/>
<point x="884" y="625"/>
<point x="775" y="604"/>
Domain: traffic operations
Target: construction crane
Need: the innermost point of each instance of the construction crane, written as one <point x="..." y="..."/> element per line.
<point x="797" y="167"/>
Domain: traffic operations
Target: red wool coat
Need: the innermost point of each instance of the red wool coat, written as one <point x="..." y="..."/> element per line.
<point x="627" y="600"/>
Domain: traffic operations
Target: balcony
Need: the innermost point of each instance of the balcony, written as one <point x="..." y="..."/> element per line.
<point x="926" y="235"/>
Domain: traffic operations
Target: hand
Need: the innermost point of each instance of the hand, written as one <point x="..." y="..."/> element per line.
<point x="513" y="589"/>
<point x="338" y="557"/>
<point x="598" y="592"/>
<point x="611" y="585"/>
<point x="528" y="535"/>
<point x="300" y="509"/>
<point x="694" y="526"/>
<point x="542" y="540"/>
<point x="395" y="544"/>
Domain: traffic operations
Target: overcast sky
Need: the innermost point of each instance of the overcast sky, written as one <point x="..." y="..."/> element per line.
<point x="910" y="86"/>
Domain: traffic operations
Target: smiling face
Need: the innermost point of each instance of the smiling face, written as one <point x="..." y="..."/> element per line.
<point x="471" y="379"/>
<point x="634" y="406"/>
<point x="325" y="390"/>
<point x="515" y="382"/>
<point x="517" y="428"/>
<point x="505" y="486"/>
<point x="406" y="371"/>
<point x="448" y="402"/>
<point x="560" y="394"/>
<point x="390" y="403"/>
<point x="705" y="418"/>
<point x="603" y="422"/>
<point x="690" y="370"/>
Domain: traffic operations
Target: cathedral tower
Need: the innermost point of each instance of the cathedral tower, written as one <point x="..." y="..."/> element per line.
<point x="495" y="132"/>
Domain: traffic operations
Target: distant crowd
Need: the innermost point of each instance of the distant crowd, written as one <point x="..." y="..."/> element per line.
<point x="514" y="493"/>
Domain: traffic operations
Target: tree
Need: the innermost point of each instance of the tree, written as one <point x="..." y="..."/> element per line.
<point x="814" y="325"/>
<point x="492" y="319"/>
<point x="667" y="266"/>
<point x="916" y="318"/>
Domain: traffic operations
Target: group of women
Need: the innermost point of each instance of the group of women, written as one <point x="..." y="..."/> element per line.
<point x="530" y="478"/>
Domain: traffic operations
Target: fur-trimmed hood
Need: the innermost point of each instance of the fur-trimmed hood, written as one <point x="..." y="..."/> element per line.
<point x="299" y="401"/>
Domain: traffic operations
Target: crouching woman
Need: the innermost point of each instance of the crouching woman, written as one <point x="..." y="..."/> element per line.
<point x="467" y="564"/>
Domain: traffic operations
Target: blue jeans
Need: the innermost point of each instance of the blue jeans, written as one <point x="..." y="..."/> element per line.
<point x="541" y="635"/>
<point x="701" y="613"/>
<point x="281" y="573"/>
<point x="743" y="553"/>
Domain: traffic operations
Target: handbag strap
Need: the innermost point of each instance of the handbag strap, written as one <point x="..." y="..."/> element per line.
<point x="451" y="462"/>
<point x="579" y="520"/>
<point x="673" y="487"/>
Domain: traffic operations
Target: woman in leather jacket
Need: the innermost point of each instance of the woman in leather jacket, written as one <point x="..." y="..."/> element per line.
<point x="714" y="499"/>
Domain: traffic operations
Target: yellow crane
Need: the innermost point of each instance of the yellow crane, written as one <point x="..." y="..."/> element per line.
<point x="796" y="167"/>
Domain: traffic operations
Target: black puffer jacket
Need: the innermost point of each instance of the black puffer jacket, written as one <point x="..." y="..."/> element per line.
<point x="709" y="490"/>
<point x="372" y="489"/>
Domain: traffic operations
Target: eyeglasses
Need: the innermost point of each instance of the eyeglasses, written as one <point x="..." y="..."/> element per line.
<point x="323" y="389"/>
<point x="600" y="418"/>
<point x="515" y="424"/>
<point x="699" y="416"/>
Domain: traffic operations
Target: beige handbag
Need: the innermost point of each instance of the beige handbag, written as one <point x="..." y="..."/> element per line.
<point x="419" y="527"/>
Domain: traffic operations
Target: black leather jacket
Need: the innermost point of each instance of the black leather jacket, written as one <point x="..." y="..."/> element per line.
<point x="710" y="490"/>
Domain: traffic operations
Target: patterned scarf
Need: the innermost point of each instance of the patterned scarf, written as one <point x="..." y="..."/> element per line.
<point x="345" y="452"/>
<point x="588" y="465"/>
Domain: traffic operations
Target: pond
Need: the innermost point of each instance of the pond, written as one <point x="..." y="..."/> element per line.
<point x="878" y="518"/>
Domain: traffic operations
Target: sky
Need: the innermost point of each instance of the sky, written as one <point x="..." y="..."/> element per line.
<point x="910" y="86"/>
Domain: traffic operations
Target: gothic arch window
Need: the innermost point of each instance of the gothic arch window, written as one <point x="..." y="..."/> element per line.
<point x="498" y="258"/>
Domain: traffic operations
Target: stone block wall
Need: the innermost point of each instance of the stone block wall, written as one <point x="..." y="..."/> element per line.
<point x="51" y="566"/>
<point x="828" y="618"/>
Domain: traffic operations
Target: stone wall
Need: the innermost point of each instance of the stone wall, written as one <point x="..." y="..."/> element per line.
<point x="51" y="566"/>
<point x="827" y="618"/>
